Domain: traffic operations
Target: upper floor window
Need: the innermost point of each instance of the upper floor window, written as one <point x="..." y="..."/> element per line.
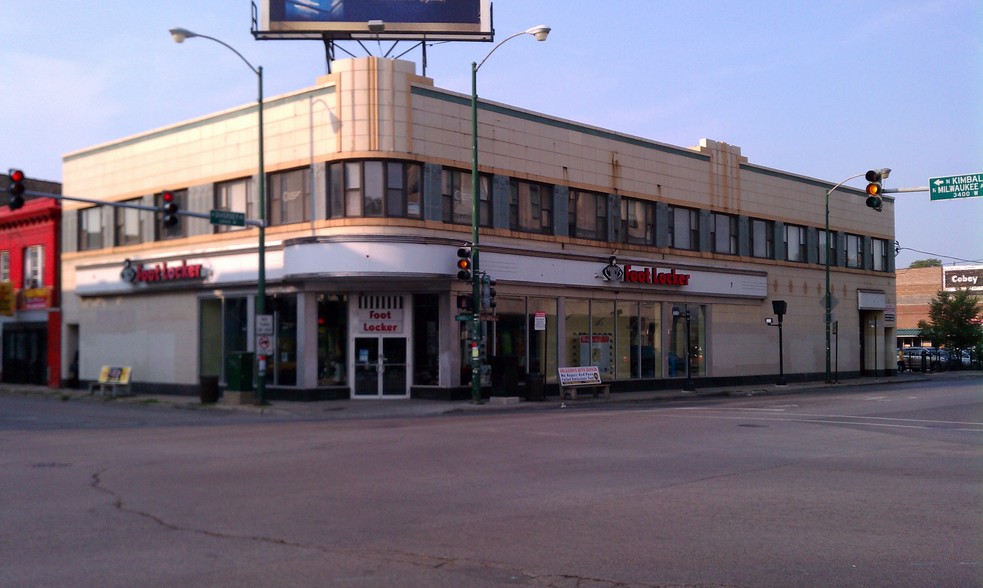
<point x="762" y="238"/>
<point x="723" y="233"/>
<point x="34" y="266"/>
<point x="290" y="196"/>
<point x="236" y="196"/>
<point x="684" y="228"/>
<point x="375" y="189"/>
<point x="588" y="215"/>
<point x="129" y="225"/>
<point x="880" y="254"/>
<point x="456" y="189"/>
<point x="637" y="221"/>
<point x="178" y="230"/>
<point x="854" y="251"/>
<point x="822" y="247"/>
<point x="90" y="228"/>
<point x="4" y="266"/>
<point x="531" y="207"/>
<point x="795" y="243"/>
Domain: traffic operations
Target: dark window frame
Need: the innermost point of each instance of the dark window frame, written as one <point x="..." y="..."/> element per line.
<point x="90" y="240"/>
<point x="539" y="198"/>
<point x="395" y="188"/>
<point x="692" y="232"/>
<point x="730" y="221"/>
<point x="593" y="205"/>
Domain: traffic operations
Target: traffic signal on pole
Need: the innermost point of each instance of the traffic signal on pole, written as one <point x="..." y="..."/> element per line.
<point x="488" y="292"/>
<point x="874" y="189"/>
<point x="15" y="191"/>
<point x="464" y="263"/>
<point x="170" y="208"/>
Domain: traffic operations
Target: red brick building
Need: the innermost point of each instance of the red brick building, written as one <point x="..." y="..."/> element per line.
<point x="30" y="313"/>
<point x="916" y="287"/>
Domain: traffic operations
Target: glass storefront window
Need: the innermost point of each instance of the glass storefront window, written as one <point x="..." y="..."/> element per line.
<point x="235" y="332"/>
<point x="332" y="339"/>
<point x="650" y="337"/>
<point x="677" y="352"/>
<point x="283" y="365"/>
<point x="508" y="346"/>
<point x="602" y="340"/>
<point x="235" y="323"/>
<point x="626" y="340"/>
<point x="542" y="340"/>
<point x="576" y="321"/>
<point x="426" y="340"/>
<point x="210" y="337"/>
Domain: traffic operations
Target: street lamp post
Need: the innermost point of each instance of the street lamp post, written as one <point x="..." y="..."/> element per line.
<point x="780" y="307"/>
<point x="540" y="32"/>
<point x="829" y="307"/>
<point x="179" y="35"/>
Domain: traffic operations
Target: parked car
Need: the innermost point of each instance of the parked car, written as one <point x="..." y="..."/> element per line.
<point x="923" y="359"/>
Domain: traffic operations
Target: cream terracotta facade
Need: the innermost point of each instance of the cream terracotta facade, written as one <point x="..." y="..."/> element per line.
<point x="373" y="110"/>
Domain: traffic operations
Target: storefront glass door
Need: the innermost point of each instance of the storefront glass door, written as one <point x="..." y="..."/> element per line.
<point x="380" y="367"/>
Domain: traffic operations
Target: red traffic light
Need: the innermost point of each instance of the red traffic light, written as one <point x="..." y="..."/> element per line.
<point x="170" y="209"/>
<point x="16" y="189"/>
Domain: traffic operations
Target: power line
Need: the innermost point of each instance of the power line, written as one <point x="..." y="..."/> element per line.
<point x="940" y="255"/>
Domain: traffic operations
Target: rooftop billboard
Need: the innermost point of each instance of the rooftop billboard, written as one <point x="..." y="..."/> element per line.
<point x="467" y="20"/>
<point x="962" y="277"/>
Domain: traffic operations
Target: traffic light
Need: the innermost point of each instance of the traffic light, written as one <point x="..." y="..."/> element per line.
<point x="488" y="292"/>
<point x="16" y="189"/>
<point x="464" y="263"/>
<point x="170" y="208"/>
<point x="874" y="189"/>
<point x="464" y="303"/>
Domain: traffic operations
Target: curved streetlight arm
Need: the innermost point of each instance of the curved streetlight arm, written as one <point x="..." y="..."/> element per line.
<point x="540" y="32"/>
<point x="179" y="35"/>
<point x="833" y="189"/>
<point x="828" y="302"/>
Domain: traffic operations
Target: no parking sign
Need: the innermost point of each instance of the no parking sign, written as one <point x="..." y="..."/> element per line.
<point x="264" y="345"/>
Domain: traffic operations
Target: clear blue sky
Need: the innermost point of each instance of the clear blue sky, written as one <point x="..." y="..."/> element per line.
<point x="822" y="89"/>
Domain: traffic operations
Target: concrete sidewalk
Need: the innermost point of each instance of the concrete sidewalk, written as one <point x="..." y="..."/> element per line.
<point x="400" y="408"/>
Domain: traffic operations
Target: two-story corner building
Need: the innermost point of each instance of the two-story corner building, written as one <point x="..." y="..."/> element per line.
<point x="601" y="244"/>
<point x="30" y="315"/>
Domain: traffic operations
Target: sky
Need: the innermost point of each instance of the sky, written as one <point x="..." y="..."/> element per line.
<point x="826" y="89"/>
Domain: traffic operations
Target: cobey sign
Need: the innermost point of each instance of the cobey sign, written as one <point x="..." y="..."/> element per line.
<point x="960" y="278"/>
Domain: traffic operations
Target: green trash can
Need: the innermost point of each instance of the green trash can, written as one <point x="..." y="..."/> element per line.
<point x="239" y="372"/>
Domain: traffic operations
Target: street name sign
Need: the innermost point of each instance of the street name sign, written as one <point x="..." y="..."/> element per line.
<point x="950" y="187"/>
<point x="227" y="217"/>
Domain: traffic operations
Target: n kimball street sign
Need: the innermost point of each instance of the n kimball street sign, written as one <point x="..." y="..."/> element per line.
<point x="948" y="187"/>
<point x="226" y="217"/>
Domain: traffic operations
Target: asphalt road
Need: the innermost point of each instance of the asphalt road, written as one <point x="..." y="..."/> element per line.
<point x="871" y="486"/>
